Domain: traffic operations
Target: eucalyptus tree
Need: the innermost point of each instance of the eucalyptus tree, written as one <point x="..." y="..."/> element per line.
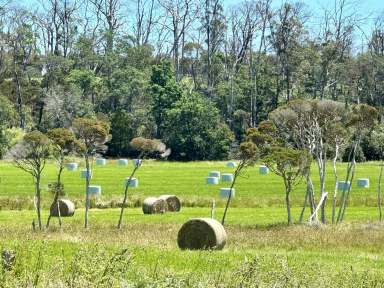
<point x="63" y="144"/>
<point x="145" y="147"/>
<point x="92" y="135"/>
<point x="308" y="125"/>
<point x="30" y="155"/>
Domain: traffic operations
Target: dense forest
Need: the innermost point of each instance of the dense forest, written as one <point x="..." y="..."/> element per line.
<point x="193" y="73"/>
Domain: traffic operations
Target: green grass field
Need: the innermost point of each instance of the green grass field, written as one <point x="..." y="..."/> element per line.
<point x="262" y="251"/>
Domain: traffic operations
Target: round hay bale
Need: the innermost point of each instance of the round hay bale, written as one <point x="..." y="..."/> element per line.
<point x="67" y="208"/>
<point x="174" y="204"/>
<point x="202" y="233"/>
<point x="214" y="174"/>
<point x="153" y="205"/>
<point x="212" y="180"/>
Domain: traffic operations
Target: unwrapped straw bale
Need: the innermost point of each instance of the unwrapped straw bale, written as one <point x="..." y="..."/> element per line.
<point x="202" y="234"/>
<point x="153" y="205"/>
<point x="174" y="204"/>
<point x="66" y="207"/>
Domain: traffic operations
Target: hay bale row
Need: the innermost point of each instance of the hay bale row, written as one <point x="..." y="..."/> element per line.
<point x="66" y="208"/>
<point x="162" y="204"/>
<point x="202" y="233"/>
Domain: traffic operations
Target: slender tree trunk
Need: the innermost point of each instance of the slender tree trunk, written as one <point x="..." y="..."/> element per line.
<point x="126" y="197"/>
<point x="55" y="201"/>
<point x="87" y="200"/>
<point x="238" y="169"/>
<point x="288" y="202"/>
<point x="336" y="181"/>
<point x="379" y="194"/>
<point x="38" y="201"/>
<point x="349" y="177"/>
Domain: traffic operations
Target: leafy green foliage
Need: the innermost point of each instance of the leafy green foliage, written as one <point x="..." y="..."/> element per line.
<point x="193" y="130"/>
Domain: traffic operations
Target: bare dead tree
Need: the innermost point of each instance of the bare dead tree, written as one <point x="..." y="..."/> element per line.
<point x="181" y="14"/>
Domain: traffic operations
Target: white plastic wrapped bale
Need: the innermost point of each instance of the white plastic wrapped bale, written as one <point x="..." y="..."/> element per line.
<point x="343" y="185"/>
<point x="72" y="166"/>
<point x="363" y="182"/>
<point x="202" y="234"/>
<point x="101" y="162"/>
<point x="84" y="174"/>
<point x="214" y="174"/>
<point x="212" y="180"/>
<point x="225" y="192"/>
<point x="231" y="164"/>
<point x="134" y="182"/>
<point x="94" y="190"/>
<point x="227" y="177"/>
<point x="122" y="162"/>
<point x="263" y="170"/>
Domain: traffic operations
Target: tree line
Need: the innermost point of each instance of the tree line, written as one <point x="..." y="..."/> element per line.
<point x="194" y="73"/>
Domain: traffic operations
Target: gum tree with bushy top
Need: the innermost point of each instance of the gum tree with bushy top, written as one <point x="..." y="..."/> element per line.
<point x="30" y="155"/>
<point x="92" y="135"/>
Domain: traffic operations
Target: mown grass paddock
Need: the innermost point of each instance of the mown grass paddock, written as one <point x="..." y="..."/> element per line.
<point x="262" y="251"/>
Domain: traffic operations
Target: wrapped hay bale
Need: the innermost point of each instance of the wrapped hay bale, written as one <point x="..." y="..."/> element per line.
<point x="214" y="174"/>
<point x="225" y="192"/>
<point x="343" y="185"/>
<point x="231" y="164"/>
<point x="212" y="180"/>
<point x="101" y="162"/>
<point x="84" y="174"/>
<point x="202" y="233"/>
<point x="153" y="205"/>
<point x="94" y="190"/>
<point x="122" y="162"/>
<point x="66" y="207"/>
<point x="72" y="166"/>
<point x="227" y="177"/>
<point x="134" y="182"/>
<point x="263" y="170"/>
<point x="363" y="182"/>
<point x="173" y="203"/>
<point x="136" y="162"/>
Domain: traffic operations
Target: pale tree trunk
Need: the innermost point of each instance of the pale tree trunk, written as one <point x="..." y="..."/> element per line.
<point x="38" y="200"/>
<point x="379" y="194"/>
<point x="309" y="198"/>
<point x="56" y="199"/>
<point x="87" y="200"/>
<point x="126" y="197"/>
<point x="336" y="181"/>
